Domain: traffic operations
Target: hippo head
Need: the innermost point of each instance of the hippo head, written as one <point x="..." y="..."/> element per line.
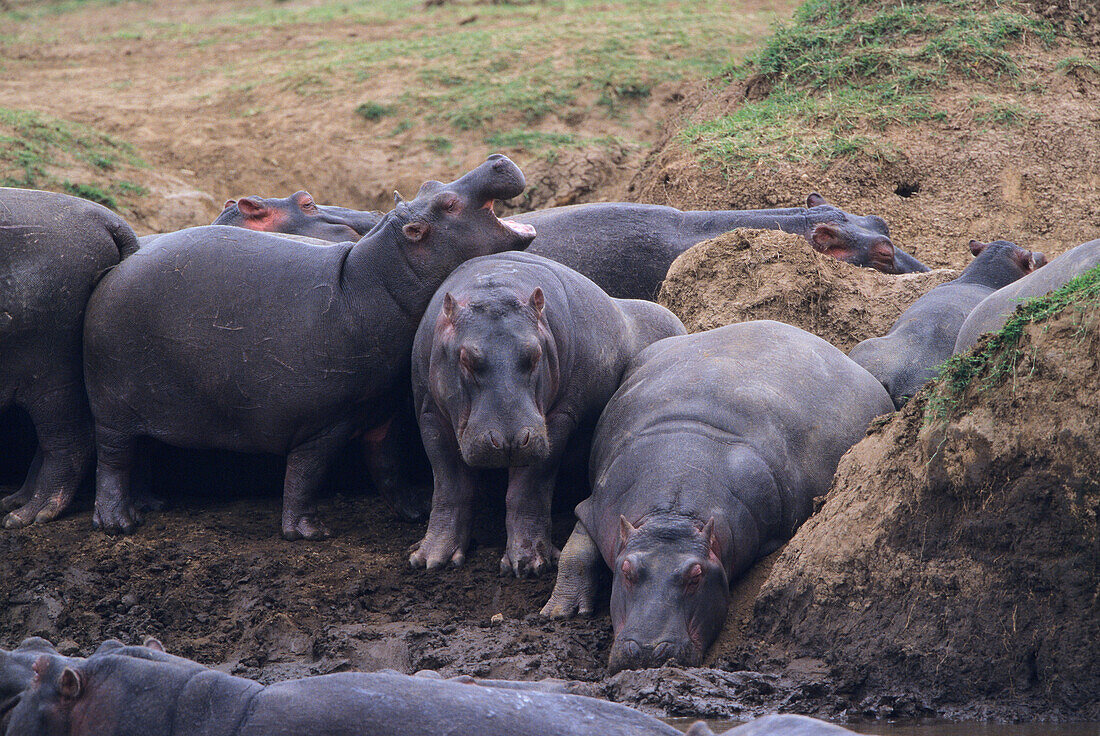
<point x="16" y="673"/>
<point x="494" y="369"/>
<point x="45" y="707"/>
<point x="862" y="240"/>
<point x="1002" y="262"/>
<point x="669" y="593"/>
<point x="446" y="224"/>
<point x="298" y="214"/>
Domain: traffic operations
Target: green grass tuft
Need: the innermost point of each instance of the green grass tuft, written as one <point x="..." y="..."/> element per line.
<point x="993" y="360"/>
<point x="372" y="111"/>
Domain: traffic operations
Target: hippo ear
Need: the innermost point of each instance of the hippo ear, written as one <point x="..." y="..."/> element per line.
<point x="70" y="684"/>
<point x="397" y="198"/>
<point x="415" y="231"/>
<point x="977" y="246"/>
<point x="151" y="642"/>
<point x="251" y="207"/>
<point x="699" y="728"/>
<point x="1036" y="260"/>
<point x="826" y="238"/>
<point x="708" y="531"/>
<point x="815" y="200"/>
<point x="537" y="301"/>
<point x="626" y="530"/>
<point x="229" y="203"/>
<point x="449" y="307"/>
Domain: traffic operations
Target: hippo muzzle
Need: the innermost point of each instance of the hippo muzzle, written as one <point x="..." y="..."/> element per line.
<point x="499" y="448"/>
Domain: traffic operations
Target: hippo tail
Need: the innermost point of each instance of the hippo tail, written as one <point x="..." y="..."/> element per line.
<point x="125" y="239"/>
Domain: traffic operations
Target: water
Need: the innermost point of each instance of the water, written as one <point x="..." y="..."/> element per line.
<point x="939" y="728"/>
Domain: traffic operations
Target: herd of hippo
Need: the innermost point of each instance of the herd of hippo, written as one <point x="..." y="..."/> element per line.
<point x="440" y="335"/>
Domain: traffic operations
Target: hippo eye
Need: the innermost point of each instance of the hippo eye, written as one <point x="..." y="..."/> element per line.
<point x="693" y="577"/>
<point x="530" y="359"/>
<point x="309" y="206"/>
<point x="469" y="360"/>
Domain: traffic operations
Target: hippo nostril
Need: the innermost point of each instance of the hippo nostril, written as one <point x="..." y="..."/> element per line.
<point x="663" y="652"/>
<point x="525" y="438"/>
<point x="494" y="440"/>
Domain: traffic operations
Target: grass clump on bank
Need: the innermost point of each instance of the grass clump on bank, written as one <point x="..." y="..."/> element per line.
<point x="995" y="359"/>
<point x="843" y="69"/>
<point x="35" y="147"/>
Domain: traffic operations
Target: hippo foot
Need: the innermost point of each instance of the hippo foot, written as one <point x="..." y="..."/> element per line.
<point x="36" y="511"/>
<point x="529" y="558"/>
<point x="148" y="502"/>
<point x="437" y="550"/>
<point x="15" y="500"/>
<point x="122" y="519"/>
<point x="305" y="527"/>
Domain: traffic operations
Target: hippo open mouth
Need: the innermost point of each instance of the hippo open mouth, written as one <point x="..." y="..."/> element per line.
<point x="519" y="228"/>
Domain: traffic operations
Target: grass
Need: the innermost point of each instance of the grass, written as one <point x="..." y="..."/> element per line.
<point x="994" y="360"/>
<point x="35" y="147"/>
<point x="842" y="71"/>
<point x="372" y="111"/>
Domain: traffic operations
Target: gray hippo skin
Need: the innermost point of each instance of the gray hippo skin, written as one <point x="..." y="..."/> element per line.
<point x="628" y="248"/>
<point x="298" y="215"/>
<point x="991" y="314"/>
<point x="515" y="358"/>
<point x="776" y="725"/>
<point x="111" y="695"/>
<point x="707" y="458"/>
<point x="909" y="355"/>
<point x="245" y="341"/>
<point x="53" y="249"/>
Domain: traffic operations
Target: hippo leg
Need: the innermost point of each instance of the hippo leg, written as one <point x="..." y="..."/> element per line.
<point x="306" y="466"/>
<point x="63" y="457"/>
<point x="578" y="577"/>
<point x="448" y="532"/>
<point x="23" y="495"/>
<point x="114" y="513"/>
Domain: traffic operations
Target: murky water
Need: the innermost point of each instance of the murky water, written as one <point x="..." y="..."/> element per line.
<point x="940" y="729"/>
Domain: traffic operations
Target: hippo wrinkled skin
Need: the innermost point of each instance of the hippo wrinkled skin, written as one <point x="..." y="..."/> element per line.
<point x="113" y="695"/>
<point x="991" y="312"/>
<point x="514" y="360"/>
<point x="53" y="250"/>
<point x="909" y="355"/>
<point x="298" y="214"/>
<point x="707" y="458"/>
<point x="245" y="341"/>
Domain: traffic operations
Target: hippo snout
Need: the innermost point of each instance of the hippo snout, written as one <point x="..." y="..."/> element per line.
<point x="495" y="448"/>
<point x="630" y="654"/>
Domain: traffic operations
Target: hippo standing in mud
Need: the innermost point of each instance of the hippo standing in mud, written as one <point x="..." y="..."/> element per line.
<point x="514" y="360"/>
<point x="53" y="250"/>
<point x="995" y="309"/>
<point x="112" y="695"/>
<point x="245" y="341"/>
<point x="707" y="458"/>
<point x="909" y="355"/>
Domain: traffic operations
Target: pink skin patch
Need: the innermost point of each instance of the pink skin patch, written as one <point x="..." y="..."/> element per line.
<point x="516" y="227"/>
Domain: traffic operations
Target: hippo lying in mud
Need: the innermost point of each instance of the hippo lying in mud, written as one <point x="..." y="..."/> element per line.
<point x="776" y="725"/>
<point x="707" y="458"/>
<point x="298" y="215"/>
<point x="991" y="314"/>
<point x="53" y="250"/>
<point x="909" y="355"/>
<point x="514" y="360"/>
<point x="244" y="341"/>
<point x="113" y="695"/>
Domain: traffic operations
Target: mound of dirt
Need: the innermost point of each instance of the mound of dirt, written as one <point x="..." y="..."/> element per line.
<point x="764" y="274"/>
<point x="955" y="563"/>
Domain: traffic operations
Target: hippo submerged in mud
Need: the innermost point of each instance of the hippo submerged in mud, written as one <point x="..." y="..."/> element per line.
<point x="114" y="695"/>
<point x="909" y="355"/>
<point x="53" y="250"/>
<point x="707" y="458"/>
<point x="514" y="361"/>
<point x="245" y="341"/>
<point x="991" y="312"/>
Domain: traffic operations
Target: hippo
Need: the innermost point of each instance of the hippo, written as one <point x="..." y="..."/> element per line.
<point x="112" y="695"/>
<point x="298" y="215"/>
<point x="707" y="458"/>
<point x="53" y="250"/>
<point x="909" y="355"/>
<point x="775" y="725"/>
<point x="514" y="359"/>
<point x="628" y="248"/>
<point x="244" y="341"/>
<point x="992" y="312"/>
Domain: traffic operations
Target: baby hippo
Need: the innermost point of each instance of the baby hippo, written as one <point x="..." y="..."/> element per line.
<point x="513" y="361"/>
<point x="707" y="458"/>
<point x="909" y="355"/>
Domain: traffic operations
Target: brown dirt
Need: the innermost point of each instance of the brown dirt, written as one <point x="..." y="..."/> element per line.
<point x="763" y="274"/>
<point x="954" y="564"/>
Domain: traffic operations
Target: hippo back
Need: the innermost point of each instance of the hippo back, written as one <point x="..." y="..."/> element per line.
<point x="996" y="308"/>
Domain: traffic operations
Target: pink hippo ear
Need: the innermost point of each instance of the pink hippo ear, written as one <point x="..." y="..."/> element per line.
<point x="229" y="203"/>
<point x="1037" y="260"/>
<point x="626" y="530"/>
<point x="251" y="207"/>
<point x="151" y="642"/>
<point x="415" y="231"/>
<point x="537" y="301"/>
<point x="977" y="246"/>
<point x="815" y="200"/>
<point x="709" y="539"/>
<point x="70" y="684"/>
<point x="449" y="307"/>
